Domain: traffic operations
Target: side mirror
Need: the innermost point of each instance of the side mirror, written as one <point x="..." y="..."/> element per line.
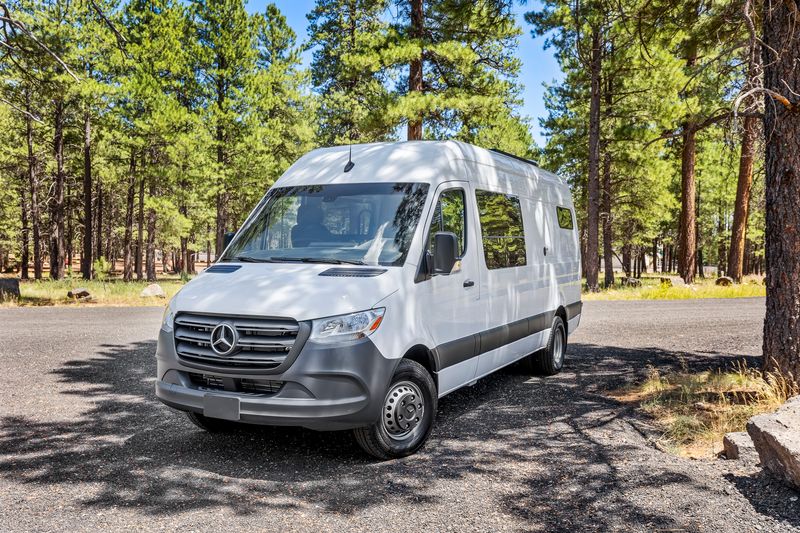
<point x="227" y="238"/>
<point x="445" y="252"/>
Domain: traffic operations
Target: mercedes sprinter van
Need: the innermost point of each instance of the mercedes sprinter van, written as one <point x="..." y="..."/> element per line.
<point x="369" y="282"/>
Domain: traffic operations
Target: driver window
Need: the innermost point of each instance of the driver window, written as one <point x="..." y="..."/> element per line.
<point x="450" y="215"/>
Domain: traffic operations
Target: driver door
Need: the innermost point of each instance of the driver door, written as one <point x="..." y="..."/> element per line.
<point x="451" y="302"/>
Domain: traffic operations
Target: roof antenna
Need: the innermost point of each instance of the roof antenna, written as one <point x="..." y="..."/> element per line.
<point x="349" y="166"/>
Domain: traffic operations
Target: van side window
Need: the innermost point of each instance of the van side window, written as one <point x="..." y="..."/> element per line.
<point x="450" y="215"/>
<point x="502" y="229"/>
<point x="564" y="218"/>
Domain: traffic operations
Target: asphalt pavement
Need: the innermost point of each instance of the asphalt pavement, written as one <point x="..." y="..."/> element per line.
<point x="85" y="445"/>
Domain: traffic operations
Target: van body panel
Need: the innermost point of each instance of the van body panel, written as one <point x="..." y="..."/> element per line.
<point x="284" y="289"/>
<point x="471" y="321"/>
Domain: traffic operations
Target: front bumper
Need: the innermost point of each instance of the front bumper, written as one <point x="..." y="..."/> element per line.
<point x="325" y="388"/>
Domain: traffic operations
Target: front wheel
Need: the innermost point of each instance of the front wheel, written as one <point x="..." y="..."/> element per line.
<point x="407" y="415"/>
<point x="549" y="360"/>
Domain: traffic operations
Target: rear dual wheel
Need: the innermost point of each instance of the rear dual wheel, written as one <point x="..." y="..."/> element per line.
<point x="407" y="415"/>
<point x="550" y="359"/>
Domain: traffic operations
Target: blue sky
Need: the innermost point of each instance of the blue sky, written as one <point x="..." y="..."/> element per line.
<point x="538" y="65"/>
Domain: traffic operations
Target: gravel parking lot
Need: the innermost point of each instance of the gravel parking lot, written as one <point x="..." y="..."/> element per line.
<point x="85" y="445"/>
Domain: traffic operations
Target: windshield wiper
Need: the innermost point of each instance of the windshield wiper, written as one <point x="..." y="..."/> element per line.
<point x="330" y="261"/>
<point x="249" y="259"/>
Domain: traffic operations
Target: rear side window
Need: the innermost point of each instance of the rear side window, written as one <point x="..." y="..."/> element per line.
<point x="502" y="229"/>
<point x="450" y="216"/>
<point x="564" y="218"/>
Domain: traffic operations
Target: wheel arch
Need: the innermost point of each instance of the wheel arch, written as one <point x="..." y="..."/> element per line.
<point x="562" y="312"/>
<point x="421" y="354"/>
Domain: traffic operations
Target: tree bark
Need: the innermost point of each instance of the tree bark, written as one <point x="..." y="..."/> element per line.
<point x="415" y="66"/>
<point x="593" y="184"/>
<point x="687" y="247"/>
<point x="140" y="230"/>
<point x="742" y="206"/>
<point x="98" y="230"/>
<point x="782" y="169"/>
<point x="25" y="245"/>
<point x="88" y="235"/>
<point x="222" y="194"/>
<point x="721" y="251"/>
<point x="127" y="244"/>
<point x="151" y="239"/>
<point x="626" y="260"/>
<point x="608" y="251"/>
<point x="33" y="185"/>
<point x="57" y="249"/>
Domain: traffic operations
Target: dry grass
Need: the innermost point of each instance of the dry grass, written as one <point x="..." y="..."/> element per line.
<point x="113" y="292"/>
<point x="653" y="289"/>
<point x="695" y="410"/>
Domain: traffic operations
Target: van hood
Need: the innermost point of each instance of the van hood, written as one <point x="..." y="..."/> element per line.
<point x="288" y="290"/>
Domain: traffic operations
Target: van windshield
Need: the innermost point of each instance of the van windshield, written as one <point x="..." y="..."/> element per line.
<point x="354" y="223"/>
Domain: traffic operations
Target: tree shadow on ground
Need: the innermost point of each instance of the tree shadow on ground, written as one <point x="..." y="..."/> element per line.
<point x="545" y="451"/>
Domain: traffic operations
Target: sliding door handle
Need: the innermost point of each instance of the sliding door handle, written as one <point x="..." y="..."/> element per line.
<point x="469" y="283"/>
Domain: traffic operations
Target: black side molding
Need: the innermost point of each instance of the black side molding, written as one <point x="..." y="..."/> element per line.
<point x="574" y="309"/>
<point x="460" y="350"/>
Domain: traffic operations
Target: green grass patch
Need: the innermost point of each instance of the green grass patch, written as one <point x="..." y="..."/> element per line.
<point x="653" y="289"/>
<point x="695" y="410"/>
<point x="112" y="292"/>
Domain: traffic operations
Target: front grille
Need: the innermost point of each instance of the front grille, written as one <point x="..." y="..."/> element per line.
<point x="247" y="385"/>
<point x="263" y="343"/>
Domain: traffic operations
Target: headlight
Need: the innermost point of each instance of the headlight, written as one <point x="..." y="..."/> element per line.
<point x="346" y="327"/>
<point x="168" y="320"/>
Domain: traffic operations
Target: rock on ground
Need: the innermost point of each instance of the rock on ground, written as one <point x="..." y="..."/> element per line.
<point x="80" y="292"/>
<point x="9" y="289"/>
<point x="154" y="289"/>
<point x="739" y="445"/>
<point x="777" y="439"/>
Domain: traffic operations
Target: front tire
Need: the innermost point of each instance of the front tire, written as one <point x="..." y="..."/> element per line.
<point x="407" y="414"/>
<point x="550" y="360"/>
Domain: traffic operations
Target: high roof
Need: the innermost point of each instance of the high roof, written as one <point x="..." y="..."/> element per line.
<point x="430" y="161"/>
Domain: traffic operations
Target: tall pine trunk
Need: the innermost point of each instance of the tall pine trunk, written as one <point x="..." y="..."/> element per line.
<point x="608" y="251"/>
<point x="33" y="185"/>
<point x="88" y="236"/>
<point x="222" y="193"/>
<point x="742" y="207"/>
<point x="98" y="229"/>
<point x="782" y="166"/>
<point x="593" y="185"/>
<point x="415" y="67"/>
<point x="57" y="248"/>
<point x="140" y="232"/>
<point x="687" y="248"/>
<point x="127" y="243"/>
<point x="150" y="260"/>
<point x="25" y="244"/>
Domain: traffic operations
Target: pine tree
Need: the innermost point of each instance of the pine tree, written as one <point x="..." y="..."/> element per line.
<point x="458" y="73"/>
<point x="347" y="73"/>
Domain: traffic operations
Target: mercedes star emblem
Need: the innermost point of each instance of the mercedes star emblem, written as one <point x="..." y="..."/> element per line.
<point x="223" y="339"/>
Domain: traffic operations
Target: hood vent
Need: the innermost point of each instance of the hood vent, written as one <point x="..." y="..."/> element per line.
<point x="223" y="269"/>
<point x="353" y="272"/>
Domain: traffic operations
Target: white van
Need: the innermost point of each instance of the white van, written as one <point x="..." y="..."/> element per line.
<point x="367" y="284"/>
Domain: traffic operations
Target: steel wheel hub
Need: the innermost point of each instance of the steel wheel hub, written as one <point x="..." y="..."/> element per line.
<point x="403" y="409"/>
<point x="558" y="347"/>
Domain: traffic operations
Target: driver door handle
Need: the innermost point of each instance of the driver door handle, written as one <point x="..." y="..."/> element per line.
<point x="469" y="283"/>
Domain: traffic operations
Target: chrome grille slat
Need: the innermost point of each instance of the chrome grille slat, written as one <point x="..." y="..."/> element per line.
<point x="263" y="343"/>
<point x="192" y="335"/>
